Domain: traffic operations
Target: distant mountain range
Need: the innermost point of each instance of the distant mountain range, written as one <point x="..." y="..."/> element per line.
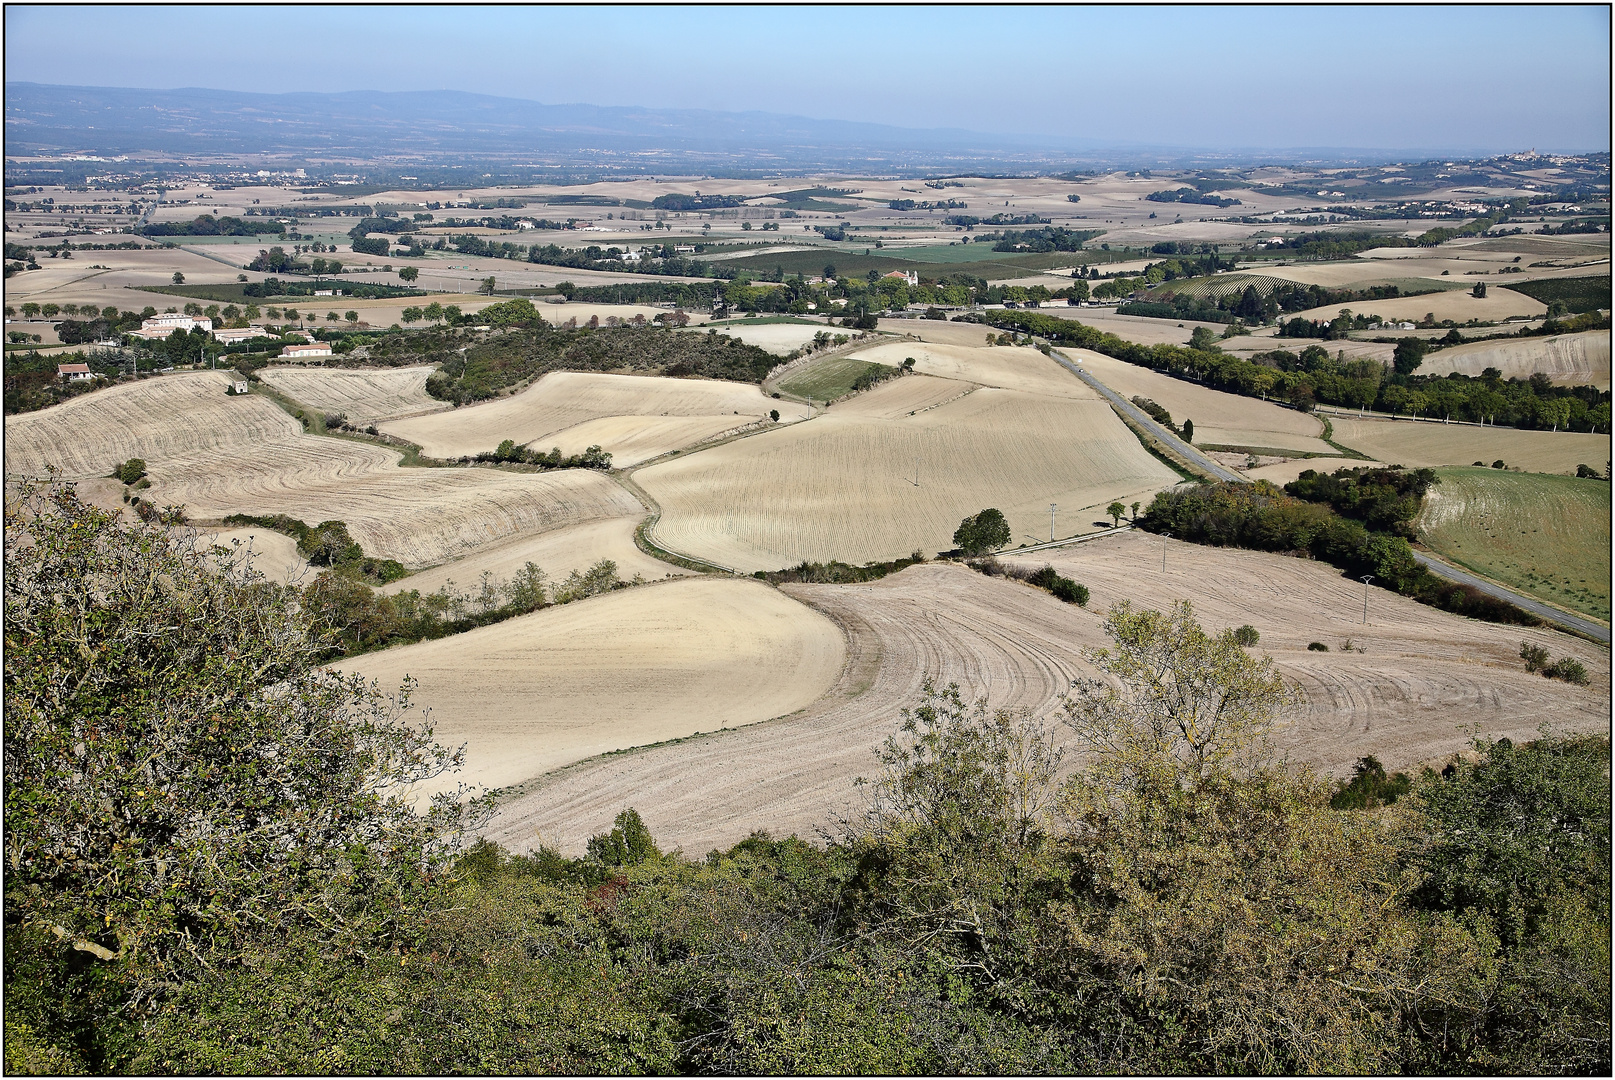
<point x="434" y="124"/>
<point x="440" y="125"/>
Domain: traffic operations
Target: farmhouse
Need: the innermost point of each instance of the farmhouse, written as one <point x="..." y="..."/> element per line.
<point x="909" y="276"/>
<point x="160" y="326"/>
<point x="74" y="372"/>
<point x="306" y="352"/>
<point x="232" y="337"/>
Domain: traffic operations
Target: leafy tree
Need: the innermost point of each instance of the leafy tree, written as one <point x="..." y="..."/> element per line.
<point x="409" y="273"/>
<point x="486" y="286"/>
<point x="1409" y="355"/>
<point x="628" y="843"/>
<point x="983" y="532"/>
<point x="1115" y="510"/>
<point x="179" y="278"/>
<point x="173" y="798"/>
<point x="131" y="471"/>
<point x="411" y="315"/>
<point x="351" y="316"/>
<point x="1188" y="431"/>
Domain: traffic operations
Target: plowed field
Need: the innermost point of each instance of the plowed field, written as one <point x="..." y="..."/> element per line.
<point x="364" y="395"/>
<point x="1426" y="680"/>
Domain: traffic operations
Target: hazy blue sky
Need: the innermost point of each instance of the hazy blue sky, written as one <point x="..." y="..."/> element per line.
<point x="1447" y="77"/>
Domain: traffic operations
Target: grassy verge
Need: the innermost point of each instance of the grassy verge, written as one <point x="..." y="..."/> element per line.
<point x="1548" y="536"/>
<point x="650" y="547"/>
<point x="1328" y="436"/>
<point x="829" y="379"/>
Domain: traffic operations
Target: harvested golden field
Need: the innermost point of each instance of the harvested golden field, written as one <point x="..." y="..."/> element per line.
<point x="1283" y="472"/>
<point x="777" y="338"/>
<point x="1009" y="367"/>
<point x="1426" y="679"/>
<point x="364" y="395"/>
<point x="1220" y="419"/>
<point x="1544" y="535"/>
<point x="557" y="314"/>
<point x="541" y="415"/>
<point x="273" y="554"/>
<point x="557" y="552"/>
<point x="1568" y="359"/>
<point x="1456" y="304"/>
<point x="421" y="517"/>
<point x="842" y="486"/>
<point x="1420" y="443"/>
<point x="157" y="419"/>
<point x="628" y="668"/>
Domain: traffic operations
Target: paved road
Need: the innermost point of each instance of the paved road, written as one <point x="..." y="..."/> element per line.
<point x="1544" y="611"/>
<point x="1144" y="420"/>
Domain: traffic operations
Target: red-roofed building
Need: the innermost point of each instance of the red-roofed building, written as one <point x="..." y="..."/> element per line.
<point x="74" y="372"/>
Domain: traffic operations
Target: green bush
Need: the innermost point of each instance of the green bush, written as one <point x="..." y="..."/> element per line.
<point x="1568" y="669"/>
<point x="131" y="470"/>
<point x="1247" y="635"/>
<point x="1370" y="787"/>
<point x="1535" y="656"/>
<point x="1317" y="646"/>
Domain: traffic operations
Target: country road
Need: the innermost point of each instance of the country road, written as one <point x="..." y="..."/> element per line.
<point x="1144" y="420"/>
<point x="1546" y="612"/>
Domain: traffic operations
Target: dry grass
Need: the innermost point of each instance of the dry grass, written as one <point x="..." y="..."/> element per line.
<point x="654" y="414"/>
<point x="1418" y="444"/>
<point x="1545" y="535"/>
<point x="843" y="486"/>
<point x="1425" y="681"/>
<point x="628" y="668"/>
<point x="364" y="395"/>
<point x="273" y="554"/>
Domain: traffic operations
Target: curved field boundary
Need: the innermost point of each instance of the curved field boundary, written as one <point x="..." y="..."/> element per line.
<point x="1426" y="680"/>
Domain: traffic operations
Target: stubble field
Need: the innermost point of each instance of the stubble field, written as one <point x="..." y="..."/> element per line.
<point x="842" y="486"/>
<point x="364" y="395"/>
<point x="624" y="669"/>
<point x="1568" y="359"/>
<point x="650" y="415"/>
<point x="1425" y="681"/>
<point x="1419" y="444"/>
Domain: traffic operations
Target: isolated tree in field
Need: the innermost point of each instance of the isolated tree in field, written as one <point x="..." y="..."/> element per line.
<point x="173" y="795"/>
<point x="411" y="315"/>
<point x="486" y="288"/>
<point x="1115" y="510"/>
<point x="1188" y="431"/>
<point x="409" y="273"/>
<point x="179" y="278"/>
<point x="1135" y="510"/>
<point x="351" y="316"/>
<point x="1479" y="291"/>
<point x="982" y="533"/>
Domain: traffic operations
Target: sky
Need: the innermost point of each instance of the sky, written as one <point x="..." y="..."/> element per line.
<point x="1448" y="77"/>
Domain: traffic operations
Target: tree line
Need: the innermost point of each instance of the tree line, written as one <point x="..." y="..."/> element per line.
<point x="1315" y="377"/>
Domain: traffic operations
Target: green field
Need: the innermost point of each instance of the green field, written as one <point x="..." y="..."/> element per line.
<point x="1579" y="294"/>
<point x="852" y="261"/>
<point x="828" y="379"/>
<point x="1545" y="535"/>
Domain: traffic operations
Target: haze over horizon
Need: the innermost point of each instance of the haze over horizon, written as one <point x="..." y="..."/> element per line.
<point x="1438" y="79"/>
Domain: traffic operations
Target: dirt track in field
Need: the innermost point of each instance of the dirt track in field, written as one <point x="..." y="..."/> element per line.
<point x="1425" y="679"/>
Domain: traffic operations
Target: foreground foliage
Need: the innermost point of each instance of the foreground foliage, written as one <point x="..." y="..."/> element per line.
<point x="1187" y="902"/>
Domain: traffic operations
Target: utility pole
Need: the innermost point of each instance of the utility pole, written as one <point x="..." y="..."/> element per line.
<point x="1052" y="508"/>
<point x="1164" y="538"/>
<point x="1366" y="579"/>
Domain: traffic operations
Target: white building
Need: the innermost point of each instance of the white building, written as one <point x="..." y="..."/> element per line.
<point x="232" y="337"/>
<point x="74" y="372"/>
<point x="306" y="352"/>
<point x="160" y="326"/>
